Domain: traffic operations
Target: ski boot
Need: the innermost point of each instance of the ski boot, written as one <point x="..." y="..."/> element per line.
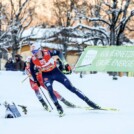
<point x="67" y="103"/>
<point x="44" y="105"/>
<point x="91" y="104"/>
<point x="59" y="109"/>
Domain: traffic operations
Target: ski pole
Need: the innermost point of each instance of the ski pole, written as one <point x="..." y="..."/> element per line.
<point x="24" y="79"/>
<point x="46" y="98"/>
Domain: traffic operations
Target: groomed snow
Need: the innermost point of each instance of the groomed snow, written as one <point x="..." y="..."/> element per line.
<point x="100" y="88"/>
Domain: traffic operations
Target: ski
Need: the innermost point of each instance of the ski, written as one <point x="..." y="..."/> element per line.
<point x="103" y="109"/>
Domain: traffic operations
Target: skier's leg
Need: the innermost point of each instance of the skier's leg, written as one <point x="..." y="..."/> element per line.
<point x="59" y="108"/>
<point x="58" y="96"/>
<point x="40" y="98"/>
<point x="53" y="97"/>
<point x="48" y="83"/>
<point x="67" y="103"/>
<point x="65" y="81"/>
<point x="35" y="87"/>
<point x="69" y="86"/>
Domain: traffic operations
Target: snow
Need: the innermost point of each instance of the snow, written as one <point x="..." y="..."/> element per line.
<point x="38" y="32"/>
<point x="100" y="88"/>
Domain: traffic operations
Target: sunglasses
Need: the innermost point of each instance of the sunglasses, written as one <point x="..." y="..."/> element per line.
<point x="35" y="51"/>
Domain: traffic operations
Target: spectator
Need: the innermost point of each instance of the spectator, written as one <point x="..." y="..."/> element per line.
<point x="19" y="63"/>
<point x="9" y="65"/>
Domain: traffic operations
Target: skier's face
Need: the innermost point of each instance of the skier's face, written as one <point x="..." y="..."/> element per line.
<point x="39" y="54"/>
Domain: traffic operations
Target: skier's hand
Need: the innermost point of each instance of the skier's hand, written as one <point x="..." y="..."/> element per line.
<point x="68" y="68"/>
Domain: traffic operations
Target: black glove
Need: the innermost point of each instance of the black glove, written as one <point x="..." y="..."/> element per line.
<point x="68" y="68"/>
<point x="37" y="83"/>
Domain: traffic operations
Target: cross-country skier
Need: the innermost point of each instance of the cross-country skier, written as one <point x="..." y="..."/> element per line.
<point x="43" y="59"/>
<point x="35" y="86"/>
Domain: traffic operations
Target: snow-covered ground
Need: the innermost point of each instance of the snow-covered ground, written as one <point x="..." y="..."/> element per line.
<point x="100" y="88"/>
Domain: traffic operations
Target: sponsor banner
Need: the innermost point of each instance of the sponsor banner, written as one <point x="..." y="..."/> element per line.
<point x="113" y="59"/>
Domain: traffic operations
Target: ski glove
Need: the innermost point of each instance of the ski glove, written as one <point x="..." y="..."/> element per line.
<point x="68" y="68"/>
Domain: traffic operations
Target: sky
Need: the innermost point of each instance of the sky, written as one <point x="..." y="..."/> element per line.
<point x="100" y="88"/>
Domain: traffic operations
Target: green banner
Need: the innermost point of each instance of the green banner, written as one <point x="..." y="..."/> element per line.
<point x="109" y="59"/>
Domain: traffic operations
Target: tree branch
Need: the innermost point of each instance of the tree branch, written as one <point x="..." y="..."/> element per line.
<point x="98" y="19"/>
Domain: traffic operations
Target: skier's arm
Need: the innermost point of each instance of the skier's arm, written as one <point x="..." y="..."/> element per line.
<point x="27" y="72"/>
<point x="59" y="54"/>
<point x="62" y="59"/>
<point x="32" y="70"/>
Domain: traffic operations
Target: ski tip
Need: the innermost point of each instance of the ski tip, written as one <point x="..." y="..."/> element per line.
<point x="109" y="109"/>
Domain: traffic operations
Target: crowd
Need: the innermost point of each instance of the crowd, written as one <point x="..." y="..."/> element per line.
<point x="17" y="65"/>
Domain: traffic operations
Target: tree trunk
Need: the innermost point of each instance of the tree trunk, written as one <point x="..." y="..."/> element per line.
<point x="65" y="50"/>
<point x="112" y="37"/>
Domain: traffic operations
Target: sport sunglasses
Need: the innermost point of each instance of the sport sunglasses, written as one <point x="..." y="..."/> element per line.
<point x="35" y="51"/>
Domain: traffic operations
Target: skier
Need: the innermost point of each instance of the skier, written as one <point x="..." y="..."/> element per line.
<point x="45" y="63"/>
<point x="35" y="86"/>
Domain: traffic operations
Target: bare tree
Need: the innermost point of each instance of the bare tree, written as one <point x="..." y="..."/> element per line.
<point x="67" y="16"/>
<point x="17" y="19"/>
<point x="107" y="21"/>
<point x="63" y="10"/>
<point x="114" y="18"/>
